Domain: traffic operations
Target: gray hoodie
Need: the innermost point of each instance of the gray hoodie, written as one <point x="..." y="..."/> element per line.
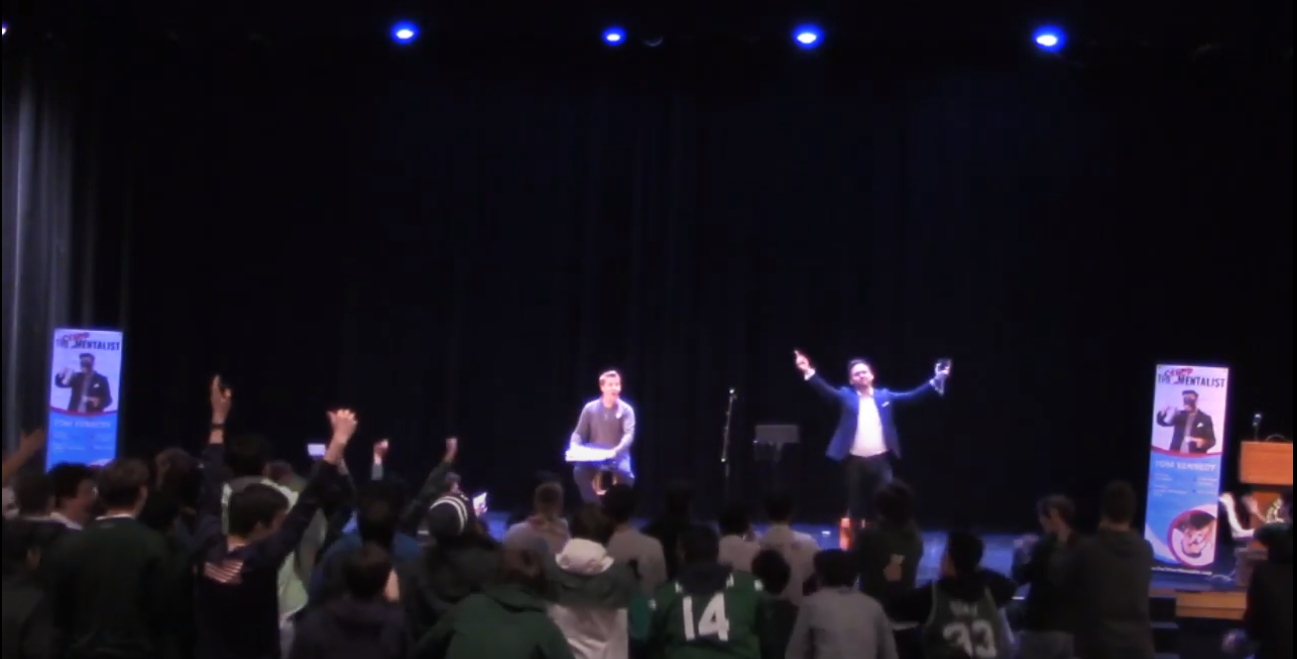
<point x="591" y="598"/>
<point x="1108" y="576"/>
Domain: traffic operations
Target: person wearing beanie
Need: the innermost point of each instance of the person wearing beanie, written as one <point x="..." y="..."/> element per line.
<point x="461" y="559"/>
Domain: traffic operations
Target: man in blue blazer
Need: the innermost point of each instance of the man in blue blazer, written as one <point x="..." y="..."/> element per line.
<point x="865" y="441"/>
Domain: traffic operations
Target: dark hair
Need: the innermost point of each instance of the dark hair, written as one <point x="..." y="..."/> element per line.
<point x="734" y="519"/>
<point x="592" y="524"/>
<point x="366" y="571"/>
<point x="699" y="543"/>
<point x="280" y="470"/>
<point x="34" y="494"/>
<point x="548" y="497"/>
<point x="858" y="361"/>
<point x="523" y="567"/>
<point x="1118" y="503"/>
<point x="247" y="455"/>
<point x="895" y="503"/>
<point x="679" y="498"/>
<point x="86" y="355"/>
<point x="1057" y="503"/>
<point x="376" y="522"/>
<point x="1286" y="497"/>
<point x="256" y="505"/>
<point x="1198" y="520"/>
<point x="122" y="483"/>
<point x="779" y="507"/>
<point x="1189" y="392"/>
<point x="774" y="572"/>
<point x="965" y="551"/>
<point x="67" y="478"/>
<point x="22" y="538"/>
<point x="620" y="502"/>
<point x="181" y="476"/>
<point x="836" y="568"/>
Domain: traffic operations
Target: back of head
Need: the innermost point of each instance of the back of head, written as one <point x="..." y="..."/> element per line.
<point x="67" y="479"/>
<point x="247" y="455"/>
<point x="1057" y="505"/>
<point x="619" y="503"/>
<point x="895" y="503"/>
<point x="449" y="519"/>
<point x="734" y="520"/>
<point x="523" y="567"/>
<point x="123" y="484"/>
<point x="699" y="544"/>
<point x="257" y="505"/>
<point x="366" y="571"/>
<point x="835" y="568"/>
<point x="26" y="542"/>
<point x="964" y="553"/>
<point x="180" y="476"/>
<point x="679" y="498"/>
<point x="774" y="572"/>
<point x="1118" y="504"/>
<point x="779" y="507"/>
<point x="34" y="495"/>
<point x="547" y="501"/>
<point x="590" y="523"/>
<point x="376" y="522"/>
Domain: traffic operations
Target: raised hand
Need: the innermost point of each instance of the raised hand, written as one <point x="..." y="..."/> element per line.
<point x="31" y="443"/>
<point x="344" y="425"/>
<point x="220" y="396"/>
<point x="802" y="361"/>
<point x="380" y="449"/>
<point x="452" y="448"/>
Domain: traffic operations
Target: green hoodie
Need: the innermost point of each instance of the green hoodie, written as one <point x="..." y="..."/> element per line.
<point x="502" y="622"/>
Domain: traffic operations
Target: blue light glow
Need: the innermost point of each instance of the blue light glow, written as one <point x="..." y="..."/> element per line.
<point x="614" y="36"/>
<point x="807" y="36"/>
<point x="1049" y="39"/>
<point x="405" y="32"/>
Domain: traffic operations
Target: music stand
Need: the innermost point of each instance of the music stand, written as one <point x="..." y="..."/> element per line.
<point x="770" y="442"/>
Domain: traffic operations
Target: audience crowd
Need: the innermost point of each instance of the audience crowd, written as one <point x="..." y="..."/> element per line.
<point x="229" y="555"/>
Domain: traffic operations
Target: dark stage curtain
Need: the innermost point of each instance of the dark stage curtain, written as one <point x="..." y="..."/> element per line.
<point x="53" y="242"/>
<point x="456" y="252"/>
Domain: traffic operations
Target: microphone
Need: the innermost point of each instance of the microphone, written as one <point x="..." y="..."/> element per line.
<point x="1256" y="426"/>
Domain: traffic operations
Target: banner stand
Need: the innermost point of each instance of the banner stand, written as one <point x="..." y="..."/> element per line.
<point x="84" y="397"/>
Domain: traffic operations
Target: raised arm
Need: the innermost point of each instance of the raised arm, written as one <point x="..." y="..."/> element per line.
<point x="824" y="389"/>
<point x="213" y="464"/>
<point x="29" y="446"/>
<point x="415" y="511"/>
<point x="582" y="433"/>
<point x="281" y="543"/>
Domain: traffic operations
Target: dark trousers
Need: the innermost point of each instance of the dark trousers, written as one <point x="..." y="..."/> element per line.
<point x="864" y="477"/>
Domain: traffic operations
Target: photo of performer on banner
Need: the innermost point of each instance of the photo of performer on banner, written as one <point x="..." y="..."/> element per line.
<point x="1185" y="464"/>
<point x="84" y="396"/>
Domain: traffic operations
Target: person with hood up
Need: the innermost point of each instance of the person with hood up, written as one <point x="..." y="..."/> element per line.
<point x="960" y="613"/>
<point x="1107" y="578"/>
<point x="462" y="559"/>
<point x="591" y="594"/>
<point x="507" y="620"/>
<point x="710" y="611"/>
<point x="366" y="623"/>
<point x="544" y="530"/>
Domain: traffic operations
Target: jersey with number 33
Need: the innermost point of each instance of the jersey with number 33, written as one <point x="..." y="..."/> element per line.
<point x="724" y="624"/>
<point x="973" y="628"/>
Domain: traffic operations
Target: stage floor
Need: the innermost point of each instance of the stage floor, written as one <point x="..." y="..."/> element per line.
<point x="999" y="557"/>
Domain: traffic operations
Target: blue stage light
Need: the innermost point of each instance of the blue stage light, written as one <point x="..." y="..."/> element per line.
<point x="807" y="36"/>
<point x="1049" y="39"/>
<point x="614" y="36"/>
<point x="405" y="32"/>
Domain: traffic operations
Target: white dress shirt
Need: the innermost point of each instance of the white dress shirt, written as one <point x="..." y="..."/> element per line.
<point x="869" y="430"/>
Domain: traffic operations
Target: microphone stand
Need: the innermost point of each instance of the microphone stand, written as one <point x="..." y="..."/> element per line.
<point x="725" y="441"/>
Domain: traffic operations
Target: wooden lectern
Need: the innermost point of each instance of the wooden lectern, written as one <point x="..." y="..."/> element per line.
<point x="1267" y="468"/>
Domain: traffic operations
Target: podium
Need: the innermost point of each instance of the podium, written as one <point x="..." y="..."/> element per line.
<point x="1267" y="468"/>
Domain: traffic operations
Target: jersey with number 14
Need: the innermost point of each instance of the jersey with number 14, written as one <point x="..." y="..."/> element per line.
<point x="720" y="625"/>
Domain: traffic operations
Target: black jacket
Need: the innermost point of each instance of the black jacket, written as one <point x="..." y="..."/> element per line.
<point x="1048" y="608"/>
<point x="1269" y="616"/>
<point x="1108" y="576"/>
<point x="348" y="629"/>
<point x="28" y="625"/>
<point x="444" y="577"/>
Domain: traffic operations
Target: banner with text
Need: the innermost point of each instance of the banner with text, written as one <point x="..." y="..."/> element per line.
<point x="85" y="394"/>
<point x="1184" y="475"/>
